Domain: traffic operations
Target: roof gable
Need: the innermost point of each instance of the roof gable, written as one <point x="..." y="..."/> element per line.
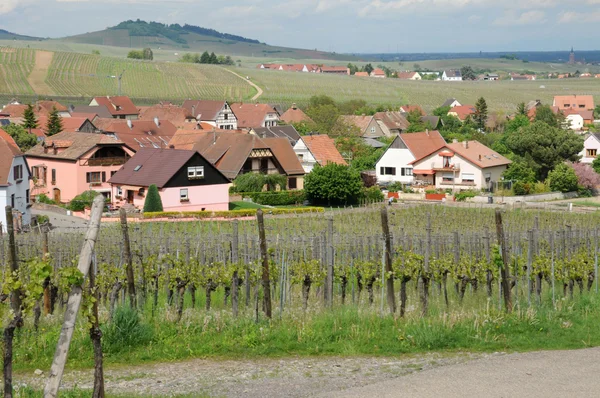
<point x="323" y="149"/>
<point x="423" y="143"/>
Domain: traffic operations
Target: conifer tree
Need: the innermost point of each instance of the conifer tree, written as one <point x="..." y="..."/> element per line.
<point x="54" y="125"/>
<point x="481" y="113"/>
<point x="29" y="119"/>
<point x="153" y="203"/>
<point x="205" y="58"/>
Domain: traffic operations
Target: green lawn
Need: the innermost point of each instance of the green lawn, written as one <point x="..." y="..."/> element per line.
<point x="241" y="205"/>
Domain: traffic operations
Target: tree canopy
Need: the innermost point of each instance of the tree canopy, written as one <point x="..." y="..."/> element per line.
<point x="29" y="119"/>
<point x="54" y="124"/>
<point x="333" y="185"/>
<point x="25" y="141"/>
<point x="153" y="202"/>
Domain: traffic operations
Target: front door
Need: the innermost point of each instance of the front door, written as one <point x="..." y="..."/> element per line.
<point x="130" y="196"/>
<point x="56" y="195"/>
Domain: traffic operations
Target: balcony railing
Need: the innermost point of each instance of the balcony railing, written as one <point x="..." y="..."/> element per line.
<point x="449" y="167"/>
<point x="116" y="161"/>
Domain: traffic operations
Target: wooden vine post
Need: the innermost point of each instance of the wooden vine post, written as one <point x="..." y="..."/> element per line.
<point x="128" y="258"/>
<point x="47" y="287"/>
<point x="265" y="263"/>
<point x="235" y="259"/>
<point x="74" y="302"/>
<point x="330" y="261"/>
<point x="15" y="304"/>
<point x="504" y="271"/>
<point x="425" y="277"/>
<point x="96" y="337"/>
<point x="389" y="277"/>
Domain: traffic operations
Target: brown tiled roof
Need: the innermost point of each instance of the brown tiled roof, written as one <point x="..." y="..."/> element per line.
<point x="323" y="149"/>
<point x="187" y="138"/>
<point x="46" y="106"/>
<point x="478" y="154"/>
<point x="585" y="114"/>
<point x="142" y="133"/>
<point x="74" y="145"/>
<point x="69" y="123"/>
<point x="89" y="116"/>
<point x="101" y="110"/>
<point x="295" y="115"/>
<point x="8" y="151"/>
<point x="287" y="132"/>
<point x="326" y="69"/>
<point x="574" y="101"/>
<point x="251" y="115"/>
<point x="410" y="108"/>
<point x="158" y="166"/>
<point x="118" y="106"/>
<point x="209" y="110"/>
<point x="406" y="75"/>
<point x="14" y="110"/>
<point x="285" y="155"/>
<point x="362" y="74"/>
<point x="423" y="143"/>
<point x="362" y="122"/>
<point x="462" y="111"/>
<point x="393" y="120"/>
<point x="378" y="72"/>
<point x="177" y="115"/>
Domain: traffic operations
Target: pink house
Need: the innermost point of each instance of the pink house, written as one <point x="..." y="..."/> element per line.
<point x="186" y="181"/>
<point x="70" y="163"/>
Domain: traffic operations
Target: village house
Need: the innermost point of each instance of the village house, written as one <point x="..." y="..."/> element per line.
<point x="179" y="116"/>
<point x="216" y="113"/>
<point x="235" y="153"/>
<point x="295" y="115"/>
<point x="361" y="74"/>
<point x="578" y="119"/>
<point x="591" y="147"/>
<point x="286" y="131"/>
<point x="139" y="133"/>
<point x="119" y="107"/>
<point x="459" y="166"/>
<point x="307" y="68"/>
<point x="452" y="76"/>
<point x="255" y="115"/>
<point x="451" y="102"/>
<point x="410" y="108"/>
<point x="490" y="77"/>
<point x="367" y="125"/>
<point x="578" y="102"/>
<point x="391" y="123"/>
<point x="14" y="181"/>
<point x="462" y="112"/>
<point x="186" y="181"/>
<point x="91" y="112"/>
<point x="395" y="165"/>
<point x="378" y="73"/>
<point x="40" y="108"/>
<point x="68" y="164"/>
<point x="317" y="149"/>
<point x="70" y="124"/>
<point x="408" y="75"/>
<point x="335" y="70"/>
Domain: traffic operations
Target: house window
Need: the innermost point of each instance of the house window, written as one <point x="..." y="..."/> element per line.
<point x="12" y="200"/>
<point x="18" y="172"/>
<point x="53" y="176"/>
<point x="447" y="162"/>
<point x="387" y="171"/>
<point x="373" y="130"/>
<point x="448" y="177"/>
<point x="264" y="166"/>
<point x="183" y="195"/>
<point x="27" y="196"/>
<point x="195" y="172"/>
<point x="119" y="191"/>
<point x="226" y="116"/>
<point x="292" y="183"/>
<point x="488" y="177"/>
<point x="406" y="171"/>
<point x="591" y="153"/>
<point x="39" y="174"/>
<point x="468" y="178"/>
<point x="300" y="157"/>
<point x="104" y="176"/>
<point x="94" y="177"/>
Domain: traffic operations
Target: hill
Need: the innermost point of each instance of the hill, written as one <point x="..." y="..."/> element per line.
<point x="6" y="35"/>
<point x="138" y="34"/>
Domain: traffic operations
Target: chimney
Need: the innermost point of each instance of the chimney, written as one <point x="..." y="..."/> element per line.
<point x="427" y="132"/>
<point x="194" y="111"/>
<point x="129" y="124"/>
<point x="454" y="141"/>
<point x="480" y="158"/>
<point x="466" y="144"/>
<point x="156" y="121"/>
<point x="171" y="146"/>
<point x="294" y="107"/>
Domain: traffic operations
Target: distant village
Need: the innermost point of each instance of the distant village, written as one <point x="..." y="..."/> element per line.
<point x="194" y="151"/>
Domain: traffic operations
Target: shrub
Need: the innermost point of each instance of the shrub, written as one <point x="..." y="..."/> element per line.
<point x="153" y="203"/>
<point x="395" y="187"/>
<point x="540" y="187"/>
<point x="333" y="184"/>
<point x="43" y="198"/>
<point x="373" y="194"/>
<point x="563" y="178"/>
<point x="255" y="182"/>
<point x="463" y="195"/>
<point x="125" y="331"/>
<point x="521" y="188"/>
<point x="82" y="201"/>
<point x="280" y="198"/>
<point x="587" y="177"/>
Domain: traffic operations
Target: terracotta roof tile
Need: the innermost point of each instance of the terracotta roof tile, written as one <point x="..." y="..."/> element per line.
<point x="251" y="115"/>
<point x="574" y="101"/>
<point x="285" y="155"/>
<point x="207" y="110"/>
<point x="140" y="133"/>
<point x="323" y="149"/>
<point x="8" y="151"/>
<point x="177" y="115"/>
<point x="118" y="106"/>
<point x="362" y="122"/>
<point x="295" y="115"/>
<point x="462" y="111"/>
<point x="73" y="145"/>
<point x="423" y="143"/>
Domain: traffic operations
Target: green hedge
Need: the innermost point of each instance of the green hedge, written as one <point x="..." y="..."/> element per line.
<point x="228" y="214"/>
<point x="278" y="198"/>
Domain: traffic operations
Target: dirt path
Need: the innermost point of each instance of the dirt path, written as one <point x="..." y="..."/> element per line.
<point x="537" y="374"/>
<point x="37" y="77"/>
<point x="259" y="90"/>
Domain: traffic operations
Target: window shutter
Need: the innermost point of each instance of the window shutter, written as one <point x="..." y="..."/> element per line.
<point x="104" y="176"/>
<point x="88" y="177"/>
<point x="382" y="171"/>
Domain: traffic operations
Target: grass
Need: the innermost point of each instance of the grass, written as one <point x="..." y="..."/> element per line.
<point x="242" y="205"/>
<point x="28" y="392"/>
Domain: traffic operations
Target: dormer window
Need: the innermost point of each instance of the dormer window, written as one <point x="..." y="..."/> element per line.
<point x="196" y="172"/>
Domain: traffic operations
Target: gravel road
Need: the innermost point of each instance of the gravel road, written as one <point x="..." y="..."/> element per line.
<point x="536" y="374"/>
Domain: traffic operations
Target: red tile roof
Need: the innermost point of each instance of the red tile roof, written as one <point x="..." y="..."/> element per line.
<point x="406" y="75"/>
<point x="410" y="108"/>
<point x="141" y="133"/>
<point x="323" y="149"/>
<point x="118" y="106"/>
<point x="295" y="115"/>
<point x="14" y="110"/>
<point x="362" y="74"/>
<point x="251" y="115"/>
<point x="423" y="143"/>
<point x="74" y="145"/>
<point x="207" y="110"/>
<point x="177" y="115"/>
<point x="70" y="124"/>
<point x="462" y="111"/>
<point x="574" y="101"/>
<point x="8" y="151"/>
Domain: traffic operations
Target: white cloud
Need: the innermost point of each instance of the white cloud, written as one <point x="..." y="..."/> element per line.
<point x="579" y="17"/>
<point x="7" y="6"/>
<point x="526" y="18"/>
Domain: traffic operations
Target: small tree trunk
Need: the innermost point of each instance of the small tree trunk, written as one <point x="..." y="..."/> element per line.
<point x="445" y="287"/>
<point x="403" y="296"/>
<point x="209" y="289"/>
<point x="489" y="283"/>
<point x="305" y="292"/>
<point x="227" y="294"/>
<point x="181" y="288"/>
<point x="9" y="334"/>
<point x="370" y="290"/>
<point x="96" y="337"/>
<point x="193" y="294"/>
<point x="464" y="281"/>
<point x="344" y="285"/>
<point x="114" y="296"/>
<point x="359" y="285"/>
<point x="37" y="312"/>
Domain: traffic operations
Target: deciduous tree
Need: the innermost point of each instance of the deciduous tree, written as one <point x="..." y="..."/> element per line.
<point x="333" y="184"/>
<point x="563" y="178"/>
<point x="24" y="140"/>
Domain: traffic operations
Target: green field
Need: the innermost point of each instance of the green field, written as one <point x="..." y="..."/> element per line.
<point x="15" y="66"/>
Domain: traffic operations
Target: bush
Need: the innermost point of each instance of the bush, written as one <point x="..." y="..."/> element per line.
<point x="280" y="198"/>
<point x="125" y="331"/>
<point x="563" y="179"/>
<point x="395" y="187"/>
<point x="81" y="201"/>
<point x="373" y="194"/>
<point x="43" y="198"/>
<point x="521" y="188"/>
<point x="255" y="182"/>
<point x="153" y="203"/>
<point x="333" y="184"/>
<point x="463" y="195"/>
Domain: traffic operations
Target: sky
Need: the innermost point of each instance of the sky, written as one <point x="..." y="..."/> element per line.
<point x="343" y="26"/>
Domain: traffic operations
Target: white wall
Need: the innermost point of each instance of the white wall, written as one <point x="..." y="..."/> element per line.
<point x="308" y="160"/>
<point x="20" y="192"/>
<point x="590" y="143"/>
<point x="576" y="122"/>
<point x="398" y="158"/>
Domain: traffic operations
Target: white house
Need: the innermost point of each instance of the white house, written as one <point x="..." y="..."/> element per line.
<point x="461" y="165"/>
<point x="452" y="75"/>
<point x="317" y="149"/>
<point x="575" y="122"/>
<point x="591" y="147"/>
<point x="14" y="180"/>
<point x="215" y="113"/>
<point x="451" y="102"/>
<point x="395" y="164"/>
